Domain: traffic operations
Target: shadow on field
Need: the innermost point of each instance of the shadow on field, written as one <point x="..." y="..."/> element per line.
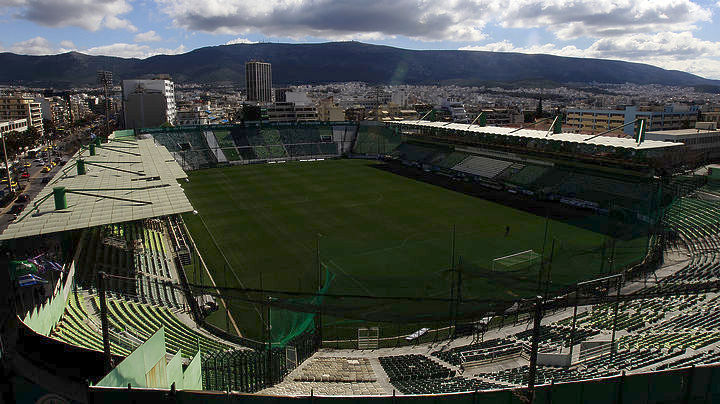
<point x="554" y="210"/>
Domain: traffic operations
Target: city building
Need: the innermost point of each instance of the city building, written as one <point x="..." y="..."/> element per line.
<point x="703" y="141"/>
<point x="16" y="107"/>
<point x="456" y="111"/>
<point x="711" y="114"/>
<point x="258" y="81"/>
<point x="280" y="94"/>
<point x="497" y="116"/>
<point x="328" y="110"/>
<point x="192" y="115"/>
<point x="656" y="118"/>
<point x="399" y="97"/>
<point x="79" y="107"/>
<point x="55" y="109"/>
<point x="290" y="112"/>
<point x="148" y="103"/>
<point x="18" y="125"/>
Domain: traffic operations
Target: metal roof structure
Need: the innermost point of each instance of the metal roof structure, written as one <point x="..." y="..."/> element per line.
<point x="606" y="141"/>
<point x="127" y="179"/>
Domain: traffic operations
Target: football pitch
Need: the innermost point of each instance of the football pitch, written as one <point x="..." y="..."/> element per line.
<point x="378" y="234"/>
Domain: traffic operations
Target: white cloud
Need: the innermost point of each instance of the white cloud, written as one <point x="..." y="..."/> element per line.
<point x="459" y="20"/>
<point x="150" y="36"/>
<point x="453" y="20"/>
<point x="33" y="46"/>
<point x="569" y="19"/>
<point x="132" y="50"/>
<point x="87" y="14"/>
<point x="239" y="41"/>
<point x="67" y="44"/>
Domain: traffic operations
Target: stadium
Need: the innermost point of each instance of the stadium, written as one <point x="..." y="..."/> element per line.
<point x="411" y="260"/>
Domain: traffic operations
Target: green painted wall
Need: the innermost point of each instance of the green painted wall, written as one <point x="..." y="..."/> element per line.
<point x="141" y="365"/>
<point x="192" y="378"/>
<point x="174" y="372"/>
<point x="43" y="318"/>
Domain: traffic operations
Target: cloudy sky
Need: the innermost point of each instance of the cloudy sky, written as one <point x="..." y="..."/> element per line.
<point x="674" y="34"/>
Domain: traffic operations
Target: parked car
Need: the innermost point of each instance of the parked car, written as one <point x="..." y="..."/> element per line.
<point x="23" y="198"/>
<point x="17" y="208"/>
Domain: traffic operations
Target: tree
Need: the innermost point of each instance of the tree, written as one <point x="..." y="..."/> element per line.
<point x="16" y="142"/>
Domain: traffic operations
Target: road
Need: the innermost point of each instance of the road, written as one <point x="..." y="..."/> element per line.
<point x="33" y="184"/>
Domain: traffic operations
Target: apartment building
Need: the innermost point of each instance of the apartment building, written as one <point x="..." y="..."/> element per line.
<point x="16" y="107"/>
<point x="148" y="103"/>
<point x="656" y="118"/>
<point x="18" y="125"/>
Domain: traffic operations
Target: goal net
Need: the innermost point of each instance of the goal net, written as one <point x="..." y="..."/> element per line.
<point x="516" y="262"/>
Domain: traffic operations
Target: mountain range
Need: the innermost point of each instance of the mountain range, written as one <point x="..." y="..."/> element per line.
<point x="339" y="62"/>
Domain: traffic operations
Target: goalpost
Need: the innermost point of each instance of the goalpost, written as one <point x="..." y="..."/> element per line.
<point x="516" y="262"/>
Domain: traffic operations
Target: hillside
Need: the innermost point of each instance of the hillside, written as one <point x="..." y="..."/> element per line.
<point x="338" y="62"/>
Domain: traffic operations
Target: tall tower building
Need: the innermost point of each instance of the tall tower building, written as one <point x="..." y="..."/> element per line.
<point x="258" y="81"/>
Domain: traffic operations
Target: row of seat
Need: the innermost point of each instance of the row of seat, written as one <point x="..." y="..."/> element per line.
<point x="703" y="358"/>
<point x="143" y="320"/>
<point x="545" y="374"/>
<point x="482" y="166"/>
<point x="413" y="366"/>
<point x="669" y="340"/>
<point x="453" y="355"/>
<point x="74" y="328"/>
<point x="559" y="335"/>
<point x="442" y="386"/>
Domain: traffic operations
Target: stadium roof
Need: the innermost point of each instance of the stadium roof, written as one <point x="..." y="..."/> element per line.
<point x="618" y="142"/>
<point x="684" y="132"/>
<point x="126" y="180"/>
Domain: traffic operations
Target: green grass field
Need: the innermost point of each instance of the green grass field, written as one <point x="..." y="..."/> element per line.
<point x="380" y="235"/>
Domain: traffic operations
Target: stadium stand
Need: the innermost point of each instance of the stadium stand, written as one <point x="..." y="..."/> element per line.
<point x="704" y="358"/>
<point x="482" y="166"/>
<point x="413" y="153"/>
<point x="143" y="320"/>
<point x="527" y="175"/>
<point x="336" y="369"/>
<point x="448" y="160"/>
<point x="546" y="374"/>
<point x="492" y="348"/>
<point x="130" y="250"/>
<point x="289" y="388"/>
<point x="413" y="366"/>
<point x="558" y="335"/>
<point x="76" y="328"/>
<point x="243" y="144"/>
<point x="443" y="386"/>
<point x="375" y="140"/>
